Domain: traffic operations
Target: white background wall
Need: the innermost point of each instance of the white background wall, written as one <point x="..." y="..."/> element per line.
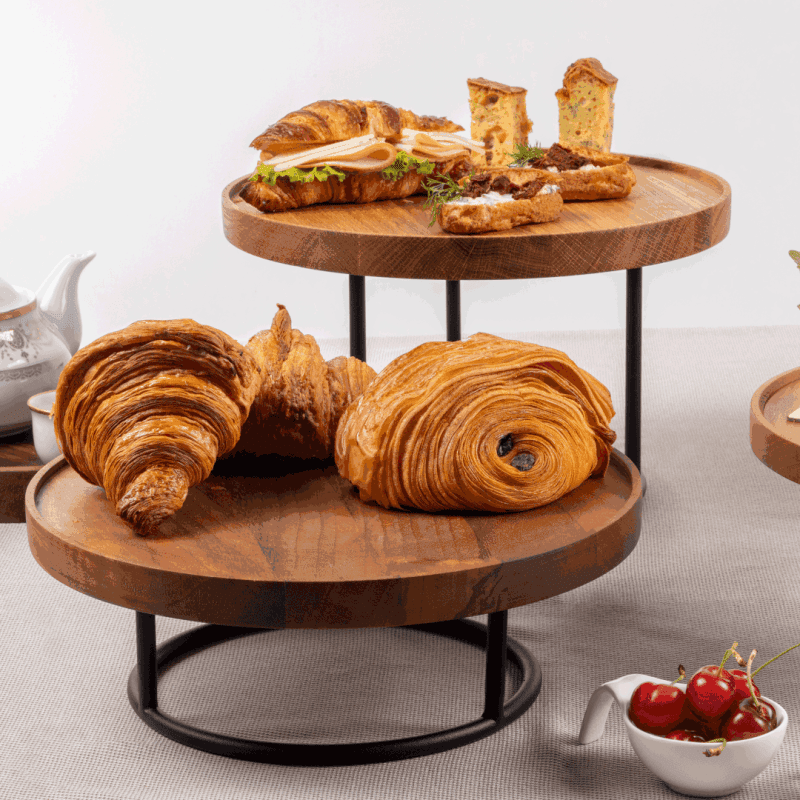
<point x="123" y="121"/>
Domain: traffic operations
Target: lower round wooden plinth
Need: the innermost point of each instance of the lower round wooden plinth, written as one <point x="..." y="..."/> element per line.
<point x="775" y="439"/>
<point x="18" y="464"/>
<point x="302" y="551"/>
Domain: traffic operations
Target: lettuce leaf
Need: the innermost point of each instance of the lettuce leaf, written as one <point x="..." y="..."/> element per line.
<point x="402" y="164"/>
<point x="295" y="174"/>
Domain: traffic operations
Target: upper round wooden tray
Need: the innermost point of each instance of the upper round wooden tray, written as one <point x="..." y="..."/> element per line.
<point x="673" y="211"/>
<point x="302" y="551"/>
<point x="774" y="438"/>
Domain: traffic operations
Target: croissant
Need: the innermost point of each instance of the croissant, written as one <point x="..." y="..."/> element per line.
<point x="145" y="411"/>
<point x="337" y="120"/>
<point x="301" y="397"/>
<point x="484" y="424"/>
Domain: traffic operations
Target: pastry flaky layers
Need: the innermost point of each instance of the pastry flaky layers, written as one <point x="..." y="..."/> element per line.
<point x="301" y="397"/>
<point x="484" y="424"/>
<point x="144" y="412"/>
<point x="346" y="151"/>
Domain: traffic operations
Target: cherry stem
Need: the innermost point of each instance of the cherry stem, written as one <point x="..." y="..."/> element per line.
<point x="772" y="659"/>
<point x="715" y="751"/>
<point x="728" y="654"/>
<point x="682" y="674"/>
<point x="749" y="679"/>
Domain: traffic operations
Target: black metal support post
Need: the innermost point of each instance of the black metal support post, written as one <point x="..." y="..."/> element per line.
<point x="358" y="317"/>
<point x="147" y="672"/>
<point x="496" y="641"/>
<point x="453" y="311"/>
<point x="633" y="366"/>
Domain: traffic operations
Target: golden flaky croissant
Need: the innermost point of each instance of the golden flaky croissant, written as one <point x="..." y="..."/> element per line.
<point x="486" y="424"/>
<point x="301" y="397"/>
<point x="144" y="412"/>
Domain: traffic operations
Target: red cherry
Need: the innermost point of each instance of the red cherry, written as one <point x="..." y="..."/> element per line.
<point x="744" y="721"/>
<point x="710" y="692"/>
<point x="707" y="729"/>
<point x="683" y="735"/>
<point x="740" y="682"/>
<point x="656" y="707"/>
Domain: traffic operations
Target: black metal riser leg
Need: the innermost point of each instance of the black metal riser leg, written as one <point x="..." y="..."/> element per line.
<point x="453" y="290"/>
<point x="146" y="660"/>
<point x="633" y="367"/>
<point x="358" y="317"/>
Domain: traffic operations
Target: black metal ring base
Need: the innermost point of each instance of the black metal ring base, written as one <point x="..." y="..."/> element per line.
<point x="517" y="656"/>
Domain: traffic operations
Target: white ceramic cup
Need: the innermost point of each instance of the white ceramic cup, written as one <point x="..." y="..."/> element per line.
<point x="682" y="765"/>
<point x="44" y="433"/>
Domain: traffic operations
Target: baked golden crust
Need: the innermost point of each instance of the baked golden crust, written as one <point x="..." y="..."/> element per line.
<point x="614" y="179"/>
<point x="357" y="187"/>
<point x="144" y="412"/>
<point x="482" y="217"/>
<point x="485" y="424"/>
<point x="336" y="120"/>
<point x="301" y="397"/>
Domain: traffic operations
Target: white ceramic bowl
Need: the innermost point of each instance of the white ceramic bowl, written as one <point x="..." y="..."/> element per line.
<point x="682" y="765"/>
<point x="44" y="434"/>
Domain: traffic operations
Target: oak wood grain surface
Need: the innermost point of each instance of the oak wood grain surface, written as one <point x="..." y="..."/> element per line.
<point x="18" y="464"/>
<point x="774" y="438"/>
<point x="674" y="211"/>
<point x="300" y="550"/>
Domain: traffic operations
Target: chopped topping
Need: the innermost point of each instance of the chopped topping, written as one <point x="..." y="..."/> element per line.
<point x="559" y="157"/>
<point x="481" y="184"/>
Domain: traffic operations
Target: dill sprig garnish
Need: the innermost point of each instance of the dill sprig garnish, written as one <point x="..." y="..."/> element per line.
<point x="522" y="153"/>
<point x="441" y="189"/>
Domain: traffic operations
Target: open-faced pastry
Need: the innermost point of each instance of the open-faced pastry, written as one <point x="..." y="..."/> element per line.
<point x="486" y="424"/>
<point x="492" y="202"/>
<point x="581" y="173"/>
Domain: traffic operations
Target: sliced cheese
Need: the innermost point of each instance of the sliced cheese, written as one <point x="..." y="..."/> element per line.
<point x="347" y="147"/>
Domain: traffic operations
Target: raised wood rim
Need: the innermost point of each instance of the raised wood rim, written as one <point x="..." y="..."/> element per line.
<point x="409" y="594"/>
<point x="770" y="446"/>
<point x="317" y="237"/>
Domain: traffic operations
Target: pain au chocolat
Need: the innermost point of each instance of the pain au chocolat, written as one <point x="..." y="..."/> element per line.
<point x="144" y="412"/>
<point x="484" y="424"/>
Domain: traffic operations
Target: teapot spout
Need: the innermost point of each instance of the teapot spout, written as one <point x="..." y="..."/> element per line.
<point x="57" y="298"/>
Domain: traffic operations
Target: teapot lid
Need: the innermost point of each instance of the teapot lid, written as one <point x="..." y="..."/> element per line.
<point x="13" y="298"/>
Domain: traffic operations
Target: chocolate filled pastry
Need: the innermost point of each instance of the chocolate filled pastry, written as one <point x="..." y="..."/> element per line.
<point x="144" y="412"/>
<point x="301" y="397"/>
<point x="485" y="424"/>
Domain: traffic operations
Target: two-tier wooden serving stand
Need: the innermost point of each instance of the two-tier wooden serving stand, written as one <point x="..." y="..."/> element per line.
<point x="269" y="550"/>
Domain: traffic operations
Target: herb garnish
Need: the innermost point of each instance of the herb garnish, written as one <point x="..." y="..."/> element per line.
<point x="522" y="153"/>
<point x="295" y="174"/>
<point x="403" y="163"/>
<point x="441" y="189"/>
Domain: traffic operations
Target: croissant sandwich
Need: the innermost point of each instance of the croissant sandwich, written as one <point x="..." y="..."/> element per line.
<point x="581" y="173"/>
<point x="144" y="412"/>
<point x="300" y="397"/>
<point x="345" y="151"/>
<point x="484" y="424"/>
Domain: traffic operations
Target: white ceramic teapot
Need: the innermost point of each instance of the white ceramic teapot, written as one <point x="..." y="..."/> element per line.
<point x="38" y="335"/>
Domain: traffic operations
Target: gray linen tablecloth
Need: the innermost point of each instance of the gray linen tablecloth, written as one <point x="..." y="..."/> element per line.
<point x="718" y="560"/>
